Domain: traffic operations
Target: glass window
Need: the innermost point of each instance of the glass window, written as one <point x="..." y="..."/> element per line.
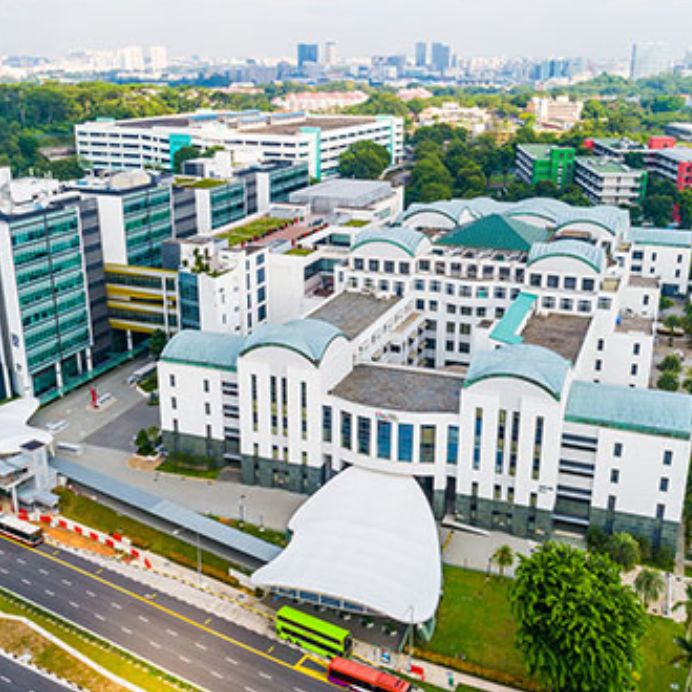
<point x="614" y="475"/>
<point x="570" y="282"/>
<point x="667" y="457"/>
<point x="358" y="264"/>
<point x="553" y="281"/>
<point x="427" y="444"/>
<point x="405" y="442"/>
<point x="535" y="279"/>
<point x="326" y="423"/>
<point x="477" y="435"/>
<point x="663" y="485"/>
<point x="346" y="430"/>
<point x="384" y="439"/>
<point x="363" y="435"/>
<point x="617" y="449"/>
<point x="452" y="443"/>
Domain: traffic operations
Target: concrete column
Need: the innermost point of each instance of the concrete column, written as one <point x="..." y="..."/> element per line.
<point x="58" y="375"/>
<point x="79" y="363"/>
<point x="128" y="337"/>
<point x="89" y="360"/>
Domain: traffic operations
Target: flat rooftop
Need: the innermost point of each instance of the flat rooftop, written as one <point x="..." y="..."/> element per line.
<point x="344" y="192"/>
<point x="292" y="128"/>
<point x="562" y="334"/>
<point x="353" y="313"/>
<point x="643" y="281"/>
<point x="401" y="389"/>
<point x="635" y="324"/>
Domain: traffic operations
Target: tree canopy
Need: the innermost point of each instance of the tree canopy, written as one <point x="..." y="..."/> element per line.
<point x="578" y="626"/>
<point x="364" y="159"/>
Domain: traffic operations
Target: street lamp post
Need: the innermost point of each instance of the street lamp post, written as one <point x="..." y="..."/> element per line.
<point x="241" y="509"/>
<point x="199" y="562"/>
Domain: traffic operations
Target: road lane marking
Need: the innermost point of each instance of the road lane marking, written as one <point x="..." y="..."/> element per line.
<point x="3" y="570"/>
<point x="156" y="645"/>
<point x="184" y="660"/>
<point x="127" y="630"/>
<point x="116" y="605"/>
<point x="20" y="561"/>
<point x="98" y="616"/>
<point x="232" y="661"/>
<point x="266" y="676"/>
<point x="24" y="580"/>
<point x="173" y="633"/>
<point x="44" y="572"/>
<point x="5" y="679"/>
<point x="74" y="605"/>
<point x="298" y="689"/>
<point x="142" y="618"/>
<point x="200" y="646"/>
<point x="91" y="594"/>
<point x="66" y="582"/>
<point x="216" y="675"/>
<point x="249" y="689"/>
<point x="207" y="621"/>
<point x="48" y="592"/>
<point x="168" y="611"/>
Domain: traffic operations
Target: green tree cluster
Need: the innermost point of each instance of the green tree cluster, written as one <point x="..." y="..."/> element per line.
<point x="578" y="626"/>
<point x="364" y="160"/>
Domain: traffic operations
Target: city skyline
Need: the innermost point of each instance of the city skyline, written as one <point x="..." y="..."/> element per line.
<point x="469" y="28"/>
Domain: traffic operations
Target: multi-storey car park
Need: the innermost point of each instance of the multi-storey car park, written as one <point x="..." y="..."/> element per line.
<point x="295" y="137"/>
<point x="498" y="353"/>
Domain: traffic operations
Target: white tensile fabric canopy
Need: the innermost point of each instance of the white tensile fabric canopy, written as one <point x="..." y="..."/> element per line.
<point x="366" y="537"/>
<point x="14" y="429"/>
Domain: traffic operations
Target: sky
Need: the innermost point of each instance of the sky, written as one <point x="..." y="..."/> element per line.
<point x="271" y="28"/>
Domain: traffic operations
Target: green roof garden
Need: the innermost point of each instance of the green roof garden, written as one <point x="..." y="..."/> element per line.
<point x="254" y="230"/>
<point x="199" y="183"/>
<point x="496" y="232"/>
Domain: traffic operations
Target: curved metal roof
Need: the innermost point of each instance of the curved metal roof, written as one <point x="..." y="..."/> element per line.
<point x="592" y="255"/>
<point x="308" y="337"/>
<point x="205" y="349"/>
<point x="552" y="210"/>
<point x="527" y="362"/>
<point x="366" y="537"/>
<point x="404" y="238"/>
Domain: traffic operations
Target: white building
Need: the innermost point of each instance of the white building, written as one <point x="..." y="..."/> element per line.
<point x="650" y="59"/>
<point x="608" y="181"/>
<point x="531" y="413"/>
<point x="295" y="137"/>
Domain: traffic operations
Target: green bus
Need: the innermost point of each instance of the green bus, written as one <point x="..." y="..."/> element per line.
<point x="312" y="634"/>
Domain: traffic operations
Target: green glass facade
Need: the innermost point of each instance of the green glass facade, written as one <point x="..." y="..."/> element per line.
<point x="51" y="292"/>
<point x="283" y="181"/>
<point x="148" y="222"/>
<point x="227" y="204"/>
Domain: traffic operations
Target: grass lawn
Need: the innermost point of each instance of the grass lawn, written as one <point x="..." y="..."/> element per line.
<point x="356" y="223"/>
<point x="300" y="251"/>
<point x="51" y="657"/>
<point x="254" y="229"/>
<point x="269" y="535"/>
<point x="182" y="469"/>
<point x="474" y="620"/>
<point x="105" y="519"/>
<point x="657" y="650"/>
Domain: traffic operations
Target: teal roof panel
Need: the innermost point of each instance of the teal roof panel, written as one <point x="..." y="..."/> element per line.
<point x="496" y="232"/>
<point x="205" y="349"/>
<point x="404" y="238"/>
<point x="648" y="411"/>
<point x="308" y="337"/>
<point x="506" y="329"/>
<point x="591" y="255"/>
<point x="660" y="236"/>
<point x="540" y="366"/>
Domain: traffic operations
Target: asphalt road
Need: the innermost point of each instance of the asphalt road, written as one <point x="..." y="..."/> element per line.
<point x="15" y="677"/>
<point x="207" y="651"/>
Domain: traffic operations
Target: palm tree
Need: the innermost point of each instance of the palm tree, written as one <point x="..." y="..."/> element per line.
<point x="685" y="657"/>
<point x="503" y="557"/>
<point x="687" y="605"/>
<point x="649" y="584"/>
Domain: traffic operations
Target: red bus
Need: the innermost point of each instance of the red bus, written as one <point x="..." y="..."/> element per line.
<point x="357" y="676"/>
<point x="20" y="530"/>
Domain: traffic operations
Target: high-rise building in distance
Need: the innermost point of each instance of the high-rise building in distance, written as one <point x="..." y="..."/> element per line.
<point x="307" y="52"/>
<point x="330" y="53"/>
<point x="158" y="58"/>
<point x="421" y="54"/>
<point x="440" y="56"/>
<point x="650" y="59"/>
<point x="131" y="59"/>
